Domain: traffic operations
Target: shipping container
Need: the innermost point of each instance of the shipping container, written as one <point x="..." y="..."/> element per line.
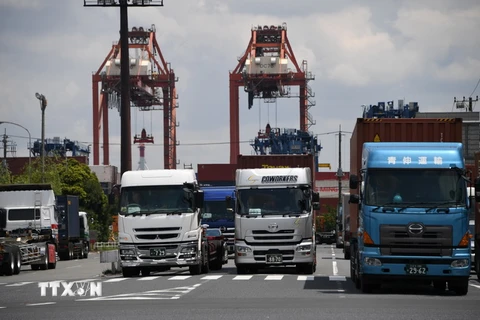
<point x="106" y="173"/>
<point x="216" y="172"/>
<point x="277" y="161"/>
<point x="397" y="130"/>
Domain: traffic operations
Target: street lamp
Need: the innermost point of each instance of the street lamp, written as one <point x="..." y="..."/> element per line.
<point x="29" y="151"/>
<point x="43" y="105"/>
<point x="125" y="138"/>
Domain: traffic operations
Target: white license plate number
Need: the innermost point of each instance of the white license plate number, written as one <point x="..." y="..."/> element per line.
<point x="157" y="252"/>
<point x="274" y="258"/>
<point x="416" y="269"/>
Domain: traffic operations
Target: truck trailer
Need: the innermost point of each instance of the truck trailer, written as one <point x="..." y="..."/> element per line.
<point x="413" y="224"/>
<point x="27" y="228"/>
<point x="73" y="231"/>
<point x="159" y="222"/>
<point x="274" y="213"/>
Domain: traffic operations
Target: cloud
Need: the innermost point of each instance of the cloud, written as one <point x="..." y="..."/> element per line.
<point x="359" y="53"/>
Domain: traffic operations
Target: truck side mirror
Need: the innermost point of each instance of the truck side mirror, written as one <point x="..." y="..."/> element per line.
<point x="477" y="190"/>
<point x="199" y="196"/>
<point x="353" y="181"/>
<point x="354" y="198"/>
<point x="315" y="197"/>
<point x="228" y="202"/>
<point x="316" y="205"/>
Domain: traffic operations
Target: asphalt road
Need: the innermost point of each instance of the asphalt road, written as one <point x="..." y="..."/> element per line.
<point x="277" y="293"/>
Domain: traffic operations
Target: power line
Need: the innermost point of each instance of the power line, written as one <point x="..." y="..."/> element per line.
<point x="478" y="82"/>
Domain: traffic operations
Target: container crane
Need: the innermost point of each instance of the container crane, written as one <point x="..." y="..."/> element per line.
<point x="263" y="72"/>
<point x="380" y="110"/>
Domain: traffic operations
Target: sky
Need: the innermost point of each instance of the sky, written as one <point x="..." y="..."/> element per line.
<point x="361" y="52"/>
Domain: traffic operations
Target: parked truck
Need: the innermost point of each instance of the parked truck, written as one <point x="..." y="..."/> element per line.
<point x="413" y="222"/>
<point x="217" y="215"/>
<point x="27" y="228"/>
<point x="342" y="220"/>
<point x="159" y="222"/>
<point x="476" y="216"/>
<point x="274" y="213"/>
<point x="73" y="235"/>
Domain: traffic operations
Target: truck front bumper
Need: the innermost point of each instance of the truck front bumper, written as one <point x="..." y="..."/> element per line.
<point x="176" y="255"/>
<point x="274" y="256"/>
<point x="431" y="267"/>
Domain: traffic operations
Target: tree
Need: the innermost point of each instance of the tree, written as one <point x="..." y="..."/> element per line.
<point x="327" y="221"/>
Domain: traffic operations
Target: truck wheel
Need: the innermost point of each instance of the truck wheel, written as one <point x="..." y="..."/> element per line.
<point x="82" y="252"/>
<point x="205" y="261"/>
<point x="44" y="265"/>
<point x="18" y="261"/>
<point x="305" y="268"/>
<point x="9" y="264"/>
<point x="460" y="287"/>
<point x="71" y="255"/>
<point x="130" y="272"/>
<point x="195" y="270"/>
<point x="85" y="251"/>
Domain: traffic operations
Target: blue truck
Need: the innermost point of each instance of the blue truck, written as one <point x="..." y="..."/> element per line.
<point x="413" y="222"/>
<point x="215" y="213"/>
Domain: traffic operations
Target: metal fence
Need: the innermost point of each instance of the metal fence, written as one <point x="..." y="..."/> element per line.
<point x="105" y="245"/>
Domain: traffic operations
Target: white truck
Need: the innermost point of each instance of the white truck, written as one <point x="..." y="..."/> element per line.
<point x="274" y="219"/>
<point x="28" y="228"/>
<point x="159" y="222"/>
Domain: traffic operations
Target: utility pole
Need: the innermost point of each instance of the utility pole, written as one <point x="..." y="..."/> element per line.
<point x="339" y="170"/>
<point x="461" y="104"/>
<point x="125" y="125"/>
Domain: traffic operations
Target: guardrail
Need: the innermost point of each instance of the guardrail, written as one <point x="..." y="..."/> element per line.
<point x="105" y="245"/>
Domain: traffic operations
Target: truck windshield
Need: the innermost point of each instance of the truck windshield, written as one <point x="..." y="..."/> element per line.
<point x="273" y="201"/>
<point x="439" y="187"/>
<point x="155" y="199"/>
<point x="216" y="211"/>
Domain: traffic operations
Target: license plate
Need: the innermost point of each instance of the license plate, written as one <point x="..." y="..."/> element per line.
<point x="274" y="258"/>
<point x="416" y="269"/>
<point x="157" y="252"/>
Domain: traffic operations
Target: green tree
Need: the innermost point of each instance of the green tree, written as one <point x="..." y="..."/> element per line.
<point x="327" y="221"/>
<point x="5" y="175"/>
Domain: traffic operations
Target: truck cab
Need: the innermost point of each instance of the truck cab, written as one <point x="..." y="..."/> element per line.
<point x="274" y="220"/>
<point x="218" y="212"/>
<point x="159" y="222"/>
<point x="413" y="219"/>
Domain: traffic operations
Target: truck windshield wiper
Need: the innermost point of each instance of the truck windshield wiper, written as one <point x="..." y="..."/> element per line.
<point x="430" y="206"/>
<point x="446" y="210"/>
<point x="392" y="209"/>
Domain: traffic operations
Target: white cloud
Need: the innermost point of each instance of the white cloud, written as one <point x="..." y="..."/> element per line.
<point x="424" y="51"/>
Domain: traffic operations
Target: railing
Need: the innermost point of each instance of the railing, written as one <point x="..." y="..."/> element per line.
<point x="105" y="245"/>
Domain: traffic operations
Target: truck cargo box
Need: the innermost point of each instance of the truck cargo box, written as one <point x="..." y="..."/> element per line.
<point x="69" y="222"/>
<point x="397" y="130"/>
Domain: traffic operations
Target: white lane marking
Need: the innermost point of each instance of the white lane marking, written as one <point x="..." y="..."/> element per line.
<point x="39" y="304"/>
<point x="148" y="278"/>
<point x="212" y="277"/>
<point x="18" y="284"/>
<point x="73" y="267"/>
<point x="337" y="278"/>
<point x="305" y="278"/>
<point x="242" y="278"/>
<point x="475" y="285"/>
<point x="179" y="277"/>
<point x="274" y="277"/>
<point x="115" y="280"/>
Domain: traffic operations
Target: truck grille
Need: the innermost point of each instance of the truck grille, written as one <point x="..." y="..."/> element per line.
<point x="279" y="238"/>
<point x="158" y="236"/>
<point x="434" y="241"/>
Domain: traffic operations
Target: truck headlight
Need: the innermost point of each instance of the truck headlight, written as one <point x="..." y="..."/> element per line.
<point x="241" y="249"/>
<point x="191" y="249"/>
<point x="461" y="263"/>
<point x="304" y="247"/>
<point x="372" y="262"/>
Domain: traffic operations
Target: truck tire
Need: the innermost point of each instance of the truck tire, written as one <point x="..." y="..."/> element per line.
<point x="9" y="264"/>
<point x="18" y="261"/>
<point x="130" y="272"/>
<point x="85" y="251"/>
<point x="205" y="260"/>
<point x="195" y="270"/>
<point x="460" y="287"/>
<point x="44" y="265"/>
